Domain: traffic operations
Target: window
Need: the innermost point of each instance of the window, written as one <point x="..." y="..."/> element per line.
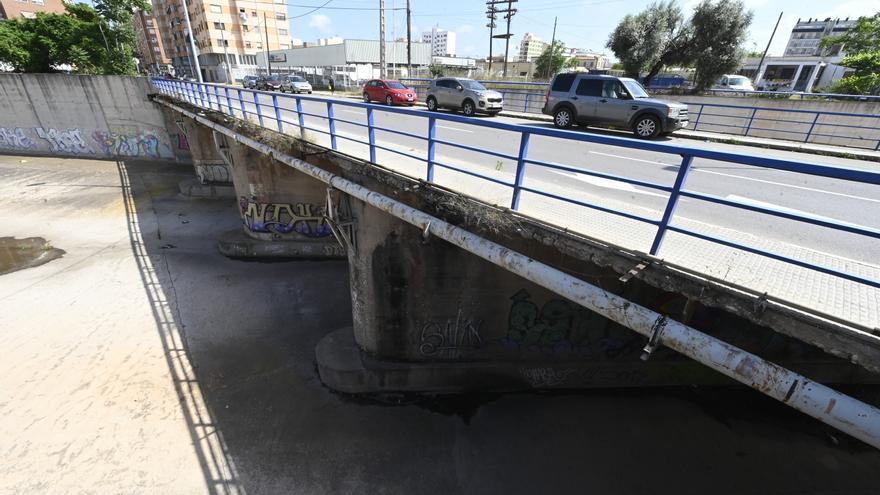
<point x="245" y="28"/>
<point x="589" y="87"/>
<point x="219" y="26"/>
<point x="253" y="13"/>
<point x="563" y="82"/>
<point x="156" y="49"/>
<point x="37" y="2"/>
<point x="282" y="32"/>
<point x="612" y="89"/>
<point x="280" y="17"/>
<point x="222" y="42"/>
<point x="216" y="9"/>
<point x="21" y="1"/>
<point x="247" y="44"/>
<point x="259" y="46"/>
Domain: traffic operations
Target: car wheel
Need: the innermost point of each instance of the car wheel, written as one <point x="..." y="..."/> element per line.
<point x="563" y="118"/>
<point x="389" y="100"/>
<point x="432" y="104"/>
<point x="646" y="127"/>
<point x="366" y="97"/>
<point x="468" y="108"/>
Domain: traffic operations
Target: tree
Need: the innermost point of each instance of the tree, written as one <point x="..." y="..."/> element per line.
<point x="650" y="40"/>
<point x="862" y="45"/>
<point x="719" y="30"/>
<point x="551" y="61"/>
<point x="81" y="38"/>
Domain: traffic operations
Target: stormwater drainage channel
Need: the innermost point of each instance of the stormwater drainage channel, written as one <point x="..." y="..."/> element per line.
<point x="838" y="410"/>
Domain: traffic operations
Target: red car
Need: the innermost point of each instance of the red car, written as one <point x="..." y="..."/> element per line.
<point x="390" y="92"/>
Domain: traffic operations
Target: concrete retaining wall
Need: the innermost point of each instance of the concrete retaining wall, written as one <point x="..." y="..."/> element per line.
<point x="91" y="116"/>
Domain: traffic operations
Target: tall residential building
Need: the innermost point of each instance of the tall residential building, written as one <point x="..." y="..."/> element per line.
<point x="149" y="42"/>
<point x="228" y="35"/>
<point x="806" y="36"/>
<point x="11" y="9"/>
<point x="530" y="48"/>
<point x="442" y="42"/>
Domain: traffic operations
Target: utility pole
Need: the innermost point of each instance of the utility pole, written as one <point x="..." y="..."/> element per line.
<point x="758" y="72"/>
<point x="268" y="62"/>
<point x="225" y="52"/>
<point x="408" y="40"/>
<point x="508" y="14"/>
<point x="552" y="49"/>
<point x="490" y="14"/>
<point x="381" y="39"/>
<point x="192" y="42"/>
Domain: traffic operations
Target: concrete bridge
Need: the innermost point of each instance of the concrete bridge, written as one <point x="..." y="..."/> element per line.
<point x="452" y="292"/>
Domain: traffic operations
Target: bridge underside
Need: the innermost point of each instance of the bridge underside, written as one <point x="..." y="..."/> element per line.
<point x="430" y="316"/>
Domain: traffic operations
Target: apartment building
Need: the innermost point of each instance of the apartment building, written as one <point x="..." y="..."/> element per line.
<point x="228" y="34"/>
<point x="806" y="36"/>
<point x="442" y="42"/>
<point x="149" y="43"/>
<point x="12" y="9"/>
<point x="530" y="48"/>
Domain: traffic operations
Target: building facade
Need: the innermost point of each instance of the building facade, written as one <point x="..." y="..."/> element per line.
<point x="589" y="60"/>
<point x="228" y="35"/>
<point x="13" y="9"/>
<point x="442" y="42"/>
<point x="806" y="37"/>
<point x="149" y="43"/>
<point x="530" y="48"/>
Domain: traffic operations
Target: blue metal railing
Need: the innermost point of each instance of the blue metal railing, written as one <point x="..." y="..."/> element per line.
<point x="209" y="96"/>
<point x="731" y="119"/>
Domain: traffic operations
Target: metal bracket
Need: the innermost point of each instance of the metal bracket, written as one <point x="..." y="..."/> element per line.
<point x="634" y="271"/>
<point x="654" y="339"/>
<point x="426" y="233"/>
<point x="337" y="227"/>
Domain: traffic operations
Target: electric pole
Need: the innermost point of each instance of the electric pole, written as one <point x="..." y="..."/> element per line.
<point x="381" y="39"/>
<point x="552" y="49"/>
<point x="408" y="40"/>
<point x="192" y="42"/>
<point x="268" y="62"/>
<point x="490" y="14"/>
<point x="225" y="52"/>
<point x="758" y="72"/>
<point x="508" y="14"/>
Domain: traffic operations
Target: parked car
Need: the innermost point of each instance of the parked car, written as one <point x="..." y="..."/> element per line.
<point x="589" y="99"/>
<point x="295" y="84"/>
<point x="269" y="83"/>
<point x="466" y="95"/>
<point x="389" y="92"/>
<point x="734" y="82"/>
<point x="249" y="82"/>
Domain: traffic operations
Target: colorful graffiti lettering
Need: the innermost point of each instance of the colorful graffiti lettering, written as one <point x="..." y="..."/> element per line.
<point x="284" y="218"/>
<point x="138" y="145"/>
<point x="451" y="337"/>
<point x="560" y="325"/>
<point x="15" y="139"/>
<point x="212" y="172"/>
<point x="180" y="141"/>
<point x="64" y="141"/>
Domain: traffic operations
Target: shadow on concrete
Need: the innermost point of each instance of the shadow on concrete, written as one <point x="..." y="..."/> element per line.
<point x="239" y="339"/>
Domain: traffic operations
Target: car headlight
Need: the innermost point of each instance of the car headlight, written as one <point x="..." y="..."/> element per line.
<point x="671" y="112"/>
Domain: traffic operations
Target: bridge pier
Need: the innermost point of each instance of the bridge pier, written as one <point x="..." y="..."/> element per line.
<point x="213" y="174"/>
<point x="282" y="210"/>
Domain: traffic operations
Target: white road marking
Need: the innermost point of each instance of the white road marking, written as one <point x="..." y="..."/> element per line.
<point x="349" y="110"/>
<point x="608" y="183"/>
<point x="811" y="189"/>
<point x="793" y="211"/>
<point x="652" y="162"/>
<point x="454" y="129"/>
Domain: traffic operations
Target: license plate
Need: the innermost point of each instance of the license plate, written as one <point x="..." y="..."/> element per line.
<point x="409" y="99"/>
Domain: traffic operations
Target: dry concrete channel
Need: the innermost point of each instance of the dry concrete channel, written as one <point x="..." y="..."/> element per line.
<point x="143" y="361"/>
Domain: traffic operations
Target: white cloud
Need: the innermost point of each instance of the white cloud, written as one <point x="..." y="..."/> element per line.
<point x="320" y="22"/>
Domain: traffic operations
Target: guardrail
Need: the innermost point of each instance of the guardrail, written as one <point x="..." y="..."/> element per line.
<point x="266" y="111"/>
<point x="817" y="127"/>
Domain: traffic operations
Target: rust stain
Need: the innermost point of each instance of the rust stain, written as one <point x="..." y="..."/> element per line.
<point x="831" y="404"/>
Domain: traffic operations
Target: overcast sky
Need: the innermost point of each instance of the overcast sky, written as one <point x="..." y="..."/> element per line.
<point x="582" y="24"/>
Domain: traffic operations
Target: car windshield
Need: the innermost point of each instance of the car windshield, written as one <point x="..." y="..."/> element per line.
<point x="738" y="81"/>
<point x="297" y="79"/>
<point x="471" y="84"/>
<point x="395" y="85"/>
<point x="273" y="79"/>
<point x="635" y="89"/>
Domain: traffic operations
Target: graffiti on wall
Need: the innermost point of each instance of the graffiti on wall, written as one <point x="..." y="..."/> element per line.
<point x="63" y="140"/>
<point x="451" y="337"/>
<point x="284" y="218"/>
<point x="560" y="325"/>
<point x="212" y="172"/>
<point x="15" y="139"/>
<point x="180" y="141"/>
<point x="136" y="145"/>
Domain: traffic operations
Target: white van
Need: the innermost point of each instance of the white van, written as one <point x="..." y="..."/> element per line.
<point x="734" y="82"/>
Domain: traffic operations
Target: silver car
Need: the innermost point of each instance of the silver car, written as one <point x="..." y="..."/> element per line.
<point x="466" y="95"/>
<point x="295" y="84"/>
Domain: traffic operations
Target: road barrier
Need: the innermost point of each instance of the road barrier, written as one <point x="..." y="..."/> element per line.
<point x="263" y="107"/>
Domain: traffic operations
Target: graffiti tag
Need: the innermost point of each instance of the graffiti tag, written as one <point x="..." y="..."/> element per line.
<point x="212" y="172"/>
<point x="450" y="337"/>
<point x="545" y="377"/>
<point x="284" y="218"/>
<point x="137" y="145"/>
<point x="15" y="139"/>
<point x="63" y="141"/>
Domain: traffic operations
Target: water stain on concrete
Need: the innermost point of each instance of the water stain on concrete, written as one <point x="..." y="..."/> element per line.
<point x="18" y="254"/>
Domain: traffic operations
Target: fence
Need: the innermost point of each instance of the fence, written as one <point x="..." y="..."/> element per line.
<point x="265" y="109"/>
<point x="854" y="130"/>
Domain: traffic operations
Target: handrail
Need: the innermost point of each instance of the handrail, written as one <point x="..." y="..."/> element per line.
<point x="199" y="94"/>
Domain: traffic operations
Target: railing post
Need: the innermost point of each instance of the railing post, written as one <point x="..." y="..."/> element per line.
<point x="332" y="123"/>
<point x="526" y="104"/>
<point x="751" y="119"/>
<point x="520" y="170"/>
<point x="301" y="118"/>
<point x="432" y="137"/>
<point x="372" y="134"/>
<point x="812" y="126"/>
<point x="672" y="203"/>
<point x="257" y="104"/>
<point x="699" y="113"/>
<point x="244" y="114"/>
<point x="202" y="95"/>
<point x="229" y="102"/>
<point x="217" y="97"/>
<point x="277" y="113"/>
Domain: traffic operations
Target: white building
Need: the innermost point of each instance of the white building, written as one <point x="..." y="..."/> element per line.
<point x="793" y="73"/>
<point x="806" y="36"/>
<point x="442" y="42"/>
<point x="530" y="48"/>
